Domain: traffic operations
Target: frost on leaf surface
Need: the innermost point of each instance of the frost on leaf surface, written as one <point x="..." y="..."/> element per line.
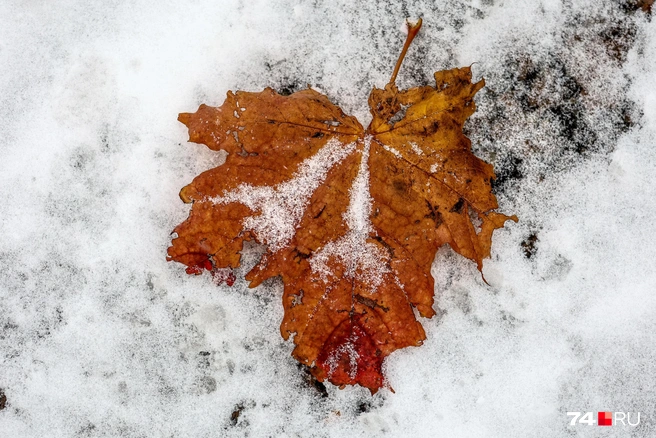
<point x="352" y="217"/>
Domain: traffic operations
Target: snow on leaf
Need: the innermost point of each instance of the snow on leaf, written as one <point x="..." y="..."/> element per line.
<point x="352" y="217"/>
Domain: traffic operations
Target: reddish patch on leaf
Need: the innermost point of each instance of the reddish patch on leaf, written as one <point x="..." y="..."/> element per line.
<point x="197" y="269"/>
<point x="224" y="275"/>
<point x="350" y="356"/>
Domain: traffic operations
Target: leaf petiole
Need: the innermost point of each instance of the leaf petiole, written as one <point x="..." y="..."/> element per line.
<point x="413" y="29"/>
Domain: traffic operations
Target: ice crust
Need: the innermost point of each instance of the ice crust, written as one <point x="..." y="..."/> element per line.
<point x="100" y="336"/>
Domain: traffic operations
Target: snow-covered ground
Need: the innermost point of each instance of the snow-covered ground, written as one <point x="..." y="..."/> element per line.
<point x="100" y="336"/>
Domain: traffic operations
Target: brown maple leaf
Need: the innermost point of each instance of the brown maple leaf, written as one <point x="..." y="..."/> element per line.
<point x="352" y="217"/>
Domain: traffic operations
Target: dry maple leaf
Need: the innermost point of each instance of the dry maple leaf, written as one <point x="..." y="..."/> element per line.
<point x="352" y="217"/>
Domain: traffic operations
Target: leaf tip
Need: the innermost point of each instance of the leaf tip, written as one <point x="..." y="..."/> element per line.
<point x="185" y="196"/>
<point x="184" y="118"/>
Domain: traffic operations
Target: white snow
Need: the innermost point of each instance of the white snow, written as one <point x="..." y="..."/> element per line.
<point x="100" y="336"/>
<point x="392" y="150"/>
<point x="279" y="209"/>
<point x="352" y="249"/>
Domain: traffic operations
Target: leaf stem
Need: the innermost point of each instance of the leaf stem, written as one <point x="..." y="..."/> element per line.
<point x="413" y="29"/>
